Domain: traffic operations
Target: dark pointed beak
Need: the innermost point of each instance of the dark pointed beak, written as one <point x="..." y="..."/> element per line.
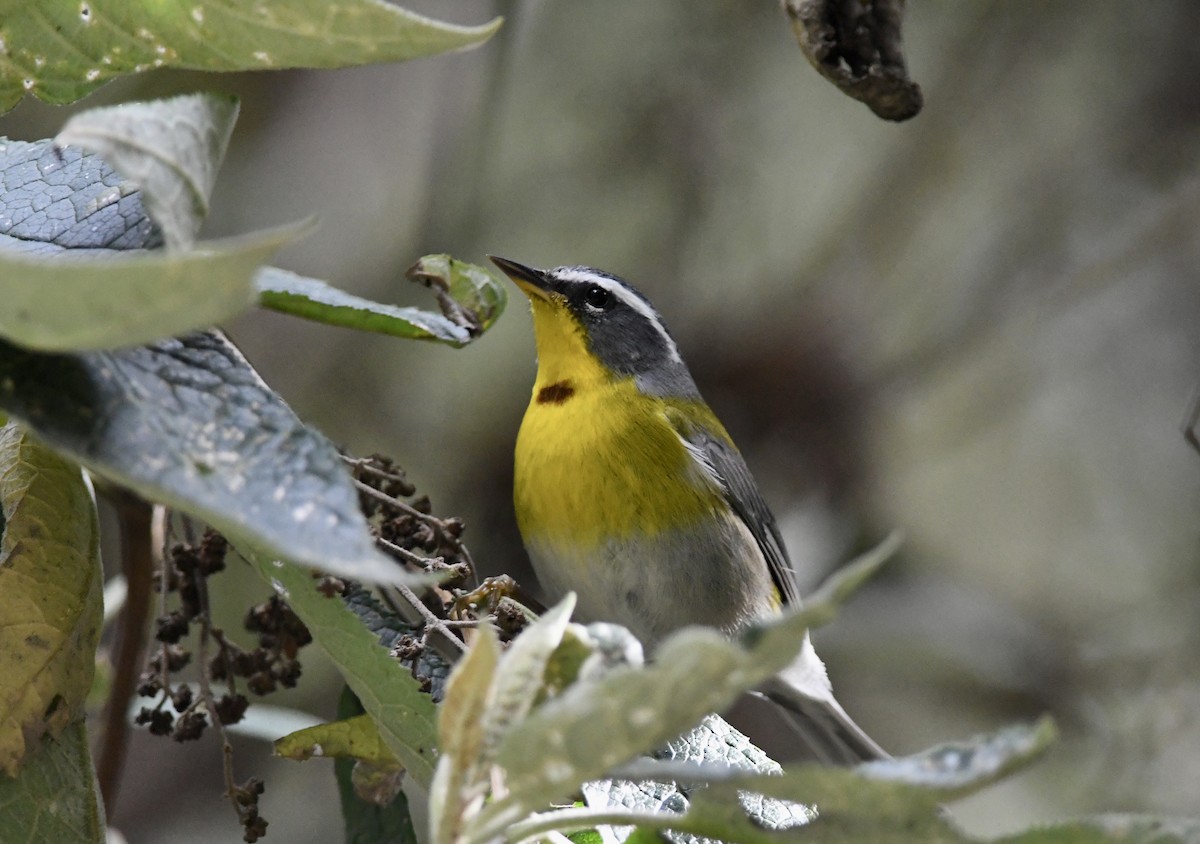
<point x="533" y="282"/>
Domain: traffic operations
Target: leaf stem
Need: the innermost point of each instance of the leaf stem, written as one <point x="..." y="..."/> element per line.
<point x="432" y="622"/>
<point x="232" y="789"/>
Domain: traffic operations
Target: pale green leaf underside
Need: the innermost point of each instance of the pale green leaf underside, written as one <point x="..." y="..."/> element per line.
<point x="60" y="50"/>
<point x="889" y="801"/>
<point x="470" y="297"/>
<point x="313" y="299"/>
<point x="93" y="299"/>
<point x="460" y="776"/>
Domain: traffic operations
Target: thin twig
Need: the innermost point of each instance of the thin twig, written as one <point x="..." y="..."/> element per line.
<point x="223" y="653"/>
<point x="366" y="464"/>
<point x="200" y="581"/>
<point x="409" y="556"/>
<point x="391" y="501"/>
<point x="432" y="622"/>
<point x="423" y="615"/>
<point x="134" y="517"/>
<point x="437" y="524"/>
<point x="158" y="548"/>
<point x="449" y="645"/>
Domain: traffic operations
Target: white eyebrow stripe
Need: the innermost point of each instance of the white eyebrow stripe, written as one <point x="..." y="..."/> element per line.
<point x="580" y="274"/>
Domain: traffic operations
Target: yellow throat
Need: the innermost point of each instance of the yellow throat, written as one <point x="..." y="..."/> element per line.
<point x="596" y="458"/>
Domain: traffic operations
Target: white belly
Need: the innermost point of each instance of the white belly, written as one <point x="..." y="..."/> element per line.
<point x="713" y="575"/>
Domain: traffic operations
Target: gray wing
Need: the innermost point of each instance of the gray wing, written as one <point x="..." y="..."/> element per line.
<point x="803" y="688"/>
<point x="731" y="471"/>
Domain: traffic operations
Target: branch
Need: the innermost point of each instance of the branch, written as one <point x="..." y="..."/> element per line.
<point x="137" y="563"/>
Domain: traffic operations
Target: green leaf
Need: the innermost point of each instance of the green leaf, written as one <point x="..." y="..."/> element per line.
<point x="187" y="422"/>
<point x="56" y="797"/>
<point x="394" y="633"/>
<point x="593" y="726"/>
<point x="50" y="586"/>
<point x="470" y="298"/>
<point x="353" y="738"/>
<point x="468" y="295"/>
<point x="899" y="786"/>
<point x="891" y="800"/>
<point x="61" y="50"/>
<point x="376" y="776"/>
<point x="366" y="822"/>
<point x="171" y="148"/>
<point x="404" y="716"/>
<point x="576" y="647"/>
<point x="70" y="301"/>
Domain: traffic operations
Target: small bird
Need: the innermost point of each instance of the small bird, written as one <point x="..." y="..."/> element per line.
<point x="629" y="492"/>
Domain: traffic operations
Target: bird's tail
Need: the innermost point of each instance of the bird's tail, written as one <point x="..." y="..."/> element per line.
<point x="824" y="726"/>
<point x="803" y="692"/>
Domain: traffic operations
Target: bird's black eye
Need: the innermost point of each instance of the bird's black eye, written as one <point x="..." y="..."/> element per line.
<point x="598" y="297"/>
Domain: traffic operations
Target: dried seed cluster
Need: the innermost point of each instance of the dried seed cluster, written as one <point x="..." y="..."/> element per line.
<point x="184" y="714"/>
<point x="185" y="635"/>
<point x="408" y="529"/>
<point x="185" y="573"/>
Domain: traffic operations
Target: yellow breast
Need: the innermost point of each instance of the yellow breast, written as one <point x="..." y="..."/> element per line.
<point x="604" y="464"/>
<point x="596" y="460"/>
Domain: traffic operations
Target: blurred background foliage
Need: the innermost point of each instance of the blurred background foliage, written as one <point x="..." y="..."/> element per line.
<point x="979" y="327"/>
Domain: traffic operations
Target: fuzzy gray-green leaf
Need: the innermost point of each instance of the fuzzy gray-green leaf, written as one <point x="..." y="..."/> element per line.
<point x="171" y="148"/>
<point x="188" y="422"/>
<point x="519" y="677"/>
<point x="461" y="777"/>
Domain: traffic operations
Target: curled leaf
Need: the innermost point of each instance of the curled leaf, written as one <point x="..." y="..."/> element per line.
<point x="353" y="738"/>
<point x="469" y="296"/>
<point x="171" y="148"/>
